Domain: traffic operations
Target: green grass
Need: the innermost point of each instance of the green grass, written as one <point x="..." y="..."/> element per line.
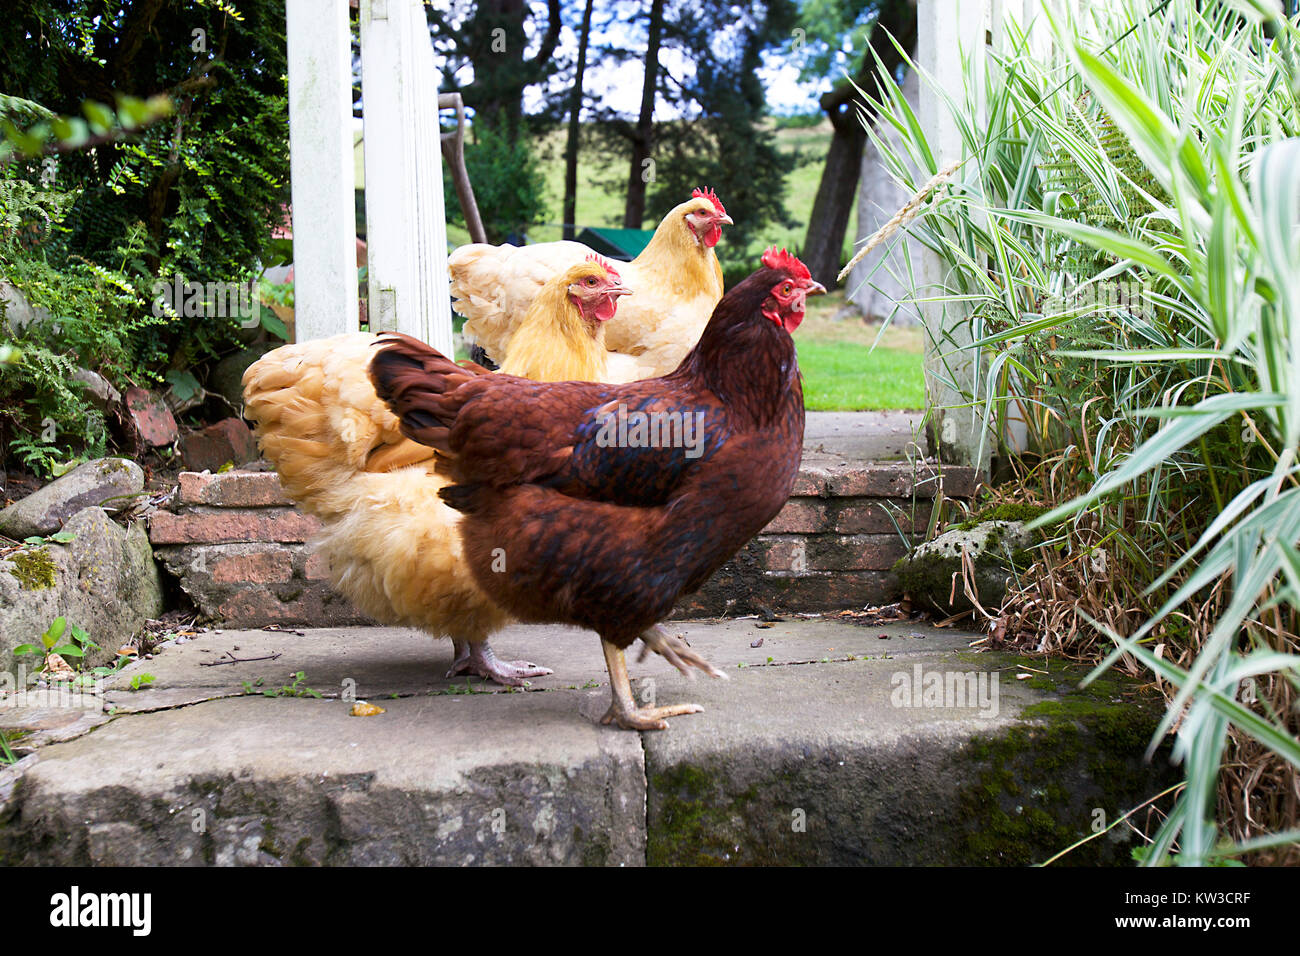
<point x="843" y="372"/>
<point x="841" y="376"/>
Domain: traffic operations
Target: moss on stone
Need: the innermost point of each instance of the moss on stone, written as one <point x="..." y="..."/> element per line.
<point x="34" y="568"/>
<point x="700" y="823"/>
<point x="928" y="577"/>
<point x="1007" y="511"/>
<point x="1036" y="789"/>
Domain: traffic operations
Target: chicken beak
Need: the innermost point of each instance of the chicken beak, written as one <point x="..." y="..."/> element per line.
<point x="617" y="290"/>
<point x="814" y="288"/>
<point x="725" y="221"/>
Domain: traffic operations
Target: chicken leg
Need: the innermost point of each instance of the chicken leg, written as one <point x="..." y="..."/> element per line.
<point x="477" y="657"/>
<point x="623" y="709"/>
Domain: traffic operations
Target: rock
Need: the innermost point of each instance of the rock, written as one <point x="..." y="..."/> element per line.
<point x="999" y="536"/>
<point x="18" y="312"/>
<point x="152" y="419"/>
<point x="92" y="483"/>
<point x="927" y="575"/>
<point x="229" y="441"/>
<point x="227" y="374"/>
<point x="103" y="580"/>
<point x="98" y="389"/>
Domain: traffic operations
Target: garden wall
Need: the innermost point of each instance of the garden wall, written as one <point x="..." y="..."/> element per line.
<point x="239" y="547"/>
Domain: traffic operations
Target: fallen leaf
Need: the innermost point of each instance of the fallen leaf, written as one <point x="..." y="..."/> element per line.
<point x="58" y="668"/>
<point x="362" y="709"/>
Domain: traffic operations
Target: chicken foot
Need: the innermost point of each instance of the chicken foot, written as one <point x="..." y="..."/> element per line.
<point x="477" y="657"/>
<point x="622" y="708"/>
<point x="674" y="649"/>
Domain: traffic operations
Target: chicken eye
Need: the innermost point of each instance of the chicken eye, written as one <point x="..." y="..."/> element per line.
<point x="787" y="289"/>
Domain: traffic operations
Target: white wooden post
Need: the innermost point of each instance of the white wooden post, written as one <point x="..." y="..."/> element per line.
<point x="320" y="165"/>
<point x="406" y="227"/>
<point x="948" y="32"/>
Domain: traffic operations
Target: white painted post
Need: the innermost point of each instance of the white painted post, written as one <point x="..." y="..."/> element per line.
<point x="406" y="228"/>
<point x="948" y="32"/>
<point x="320" y="165"/>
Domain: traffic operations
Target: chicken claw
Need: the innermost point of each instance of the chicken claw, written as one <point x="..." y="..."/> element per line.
<point x="623" y="709"/>
<point x="674" y="649"/>
<point x="478" y="658"/>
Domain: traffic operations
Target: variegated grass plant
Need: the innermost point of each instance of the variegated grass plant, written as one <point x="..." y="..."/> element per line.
<point x="1125" y="239"/>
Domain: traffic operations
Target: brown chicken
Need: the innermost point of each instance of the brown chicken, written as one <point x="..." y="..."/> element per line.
<point x="393" y="547"/>
<point x="677" y="280"/>
<point x="599" y="505"/>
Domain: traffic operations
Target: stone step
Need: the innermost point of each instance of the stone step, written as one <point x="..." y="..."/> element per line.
<point x="239" y="548"/>
<point x="823" y="747"/>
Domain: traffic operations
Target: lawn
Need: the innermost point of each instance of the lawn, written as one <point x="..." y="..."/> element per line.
<point x="843" y="372"/>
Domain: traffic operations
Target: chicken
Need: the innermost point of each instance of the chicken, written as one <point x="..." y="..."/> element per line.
<point x="677" y="280"/>
<point x="393" y="546"/>
<point x="560" y="340"/>
<point x="600" y="505"/>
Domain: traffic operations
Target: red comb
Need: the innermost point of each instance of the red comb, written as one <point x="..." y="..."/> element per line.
<point x="711" y="196"/>
<point x="782" y="261"/>
<point x="603" y="264"/>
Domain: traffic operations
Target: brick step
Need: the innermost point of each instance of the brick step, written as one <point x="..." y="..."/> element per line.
<point x="241" y="550"/>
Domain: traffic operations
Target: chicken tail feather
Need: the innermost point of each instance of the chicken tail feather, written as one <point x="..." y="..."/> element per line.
<point x="418" y="383"/>
<point x="320" y="424"/>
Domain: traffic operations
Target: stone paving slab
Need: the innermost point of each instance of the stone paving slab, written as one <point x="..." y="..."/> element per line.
<point x="382" y="662"/>
<point x="865" y="436"/>
<point x="434" y="780"/>
<point x="812" y="757"/>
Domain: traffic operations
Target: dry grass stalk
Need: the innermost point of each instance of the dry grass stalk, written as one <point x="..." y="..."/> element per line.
<point x="901" y="218"/>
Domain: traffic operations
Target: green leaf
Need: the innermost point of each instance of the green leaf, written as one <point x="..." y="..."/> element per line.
<point x="184" y="385"/>
<point x="100" y="116"/>
<point x="55" y="631"/>
<point x="273" y="324"/>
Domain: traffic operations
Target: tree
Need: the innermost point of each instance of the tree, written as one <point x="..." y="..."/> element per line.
<point x="198" y="193"/>
<point x="642" y="135"/>
<point x="845" y="109"/>
<point x="725" y="142"/>
<point x="575" y="126"/>
<point x="721" y="139"/>
<point x="193" y="195"/>
<point x="508" y="185"/>
<point x="492" y="38"/>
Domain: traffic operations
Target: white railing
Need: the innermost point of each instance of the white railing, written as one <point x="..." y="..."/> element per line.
<point x="406" y="230"/>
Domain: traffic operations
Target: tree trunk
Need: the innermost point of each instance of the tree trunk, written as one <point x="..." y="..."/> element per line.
<point x="643" y="137"/>
<point x="833" y="206"/>
<point x="571" y="146"/>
